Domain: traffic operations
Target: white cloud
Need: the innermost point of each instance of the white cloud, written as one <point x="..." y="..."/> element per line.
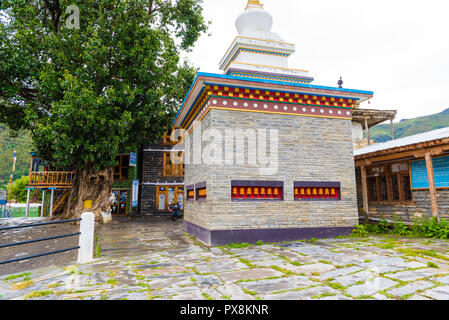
<point x="397" y="48"/>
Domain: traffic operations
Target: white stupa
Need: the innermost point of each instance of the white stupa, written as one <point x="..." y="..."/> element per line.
<point x="257" y="52"/>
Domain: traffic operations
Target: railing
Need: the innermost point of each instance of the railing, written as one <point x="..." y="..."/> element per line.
<point x="85" y="242"/>
<point x="51" y="178"/>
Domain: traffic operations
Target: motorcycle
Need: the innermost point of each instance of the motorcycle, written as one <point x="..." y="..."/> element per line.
<point x="175" y="211"/>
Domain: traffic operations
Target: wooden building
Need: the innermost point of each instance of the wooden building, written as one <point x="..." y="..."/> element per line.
<point x="405" y="178"/>
<point x="162" y="177"/>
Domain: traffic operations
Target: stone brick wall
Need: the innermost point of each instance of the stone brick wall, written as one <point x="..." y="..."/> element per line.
<point x="310" y="149"/>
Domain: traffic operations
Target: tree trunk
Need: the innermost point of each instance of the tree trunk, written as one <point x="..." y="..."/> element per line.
<point x="93" y="185"/>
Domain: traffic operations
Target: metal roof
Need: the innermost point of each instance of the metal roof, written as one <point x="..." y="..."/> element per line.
<point x="417" y="138"/>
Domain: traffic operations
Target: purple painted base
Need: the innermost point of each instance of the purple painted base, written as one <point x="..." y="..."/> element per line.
<point x="224" y="237"/>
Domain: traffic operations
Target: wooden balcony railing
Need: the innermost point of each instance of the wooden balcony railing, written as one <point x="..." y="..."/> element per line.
<point x="61" y="179"/>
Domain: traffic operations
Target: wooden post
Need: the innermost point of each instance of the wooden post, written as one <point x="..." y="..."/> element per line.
<point x="51" y="201"/>
<point x="43" y="201"/>
<point x="365" y="194"/>
<point x="432" y="188"/>
<point x="368" y="137"/>
<point x="27" y="210"/>
<point x="392" y="129"/>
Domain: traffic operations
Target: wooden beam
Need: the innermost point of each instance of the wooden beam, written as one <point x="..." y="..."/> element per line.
<point x="365" y="194"/>
<point x="401" y="154"/>
<point x="432" y="188"/>
<point x="392" y="129"/>
<point x="368" y="137"/>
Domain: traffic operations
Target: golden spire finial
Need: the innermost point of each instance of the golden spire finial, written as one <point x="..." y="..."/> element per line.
<point x="255" y="2"/>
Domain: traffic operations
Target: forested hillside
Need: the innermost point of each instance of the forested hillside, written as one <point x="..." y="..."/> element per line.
<point x="22" y="144"/>
<point x="409" y="127"/>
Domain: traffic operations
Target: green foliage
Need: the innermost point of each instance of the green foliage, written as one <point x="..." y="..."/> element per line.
<point x="19" y="190"/>
<point x="238" y="245"/>
<point x="423" y="227"/>
<point x="384" y="226"/>
<point x="112" y="85"/>
<point x="360" y="231"/>
<point x="21" y="142"/>
<point x="431" y="228"/>
<point x="399" y="228"/>
<point x="408" y="127"/>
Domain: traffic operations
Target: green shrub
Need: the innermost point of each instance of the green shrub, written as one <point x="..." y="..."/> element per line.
<point x="400" y="228"/>
<point x="384" y="226"/>
<point x="431" y="228"/>
<point x="372" y="228"/>
<point x="360" y="231"/>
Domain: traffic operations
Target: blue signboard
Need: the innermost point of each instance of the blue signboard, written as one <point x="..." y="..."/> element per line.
<point x="440" y="172"/>
<point x="135" y="194"/>
<point x="132" y="159"/>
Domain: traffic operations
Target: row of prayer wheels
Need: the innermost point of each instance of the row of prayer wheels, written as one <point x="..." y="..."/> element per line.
<point x="257" y="192"/>
<point x="202" y="193"/>
<point x="316" y="192"/>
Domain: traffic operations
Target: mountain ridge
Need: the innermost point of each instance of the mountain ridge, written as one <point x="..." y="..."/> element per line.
<point x="409" y="127"/>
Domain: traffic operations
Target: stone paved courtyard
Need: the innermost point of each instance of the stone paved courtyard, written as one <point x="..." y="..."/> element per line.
<point x="157" y="260"/>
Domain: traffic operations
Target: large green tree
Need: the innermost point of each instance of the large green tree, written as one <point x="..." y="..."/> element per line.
<point x="87" y="94"/>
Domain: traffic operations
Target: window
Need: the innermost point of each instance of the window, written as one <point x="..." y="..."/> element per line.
<point x="257" y="190"/>
<point x="121" y="170"/>
<point x="389" y="183"/>
<point x="168" y="195"/>
<point x="168" y="141"/>
<point x="317" y="191"/>
<point x="175" y="167"/>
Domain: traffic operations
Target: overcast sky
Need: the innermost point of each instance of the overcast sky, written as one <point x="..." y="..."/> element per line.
<point x="397" y="48"/>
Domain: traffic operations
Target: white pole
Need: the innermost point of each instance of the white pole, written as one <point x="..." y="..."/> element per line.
<point x="51" y="202"/>
<point x="43" y="201"/>
<point x="86" y="242"/>
<point x="27" y="210"/>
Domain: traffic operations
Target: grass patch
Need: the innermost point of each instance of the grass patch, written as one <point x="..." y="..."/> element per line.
<point x="238" y="245"/>
<point x="323" y="295"/>
<point x="253" y="293"/>
<point x="421" y="253"/>
<point x="335" y="285"/>
<point x="22" y="285"/>
<point x="207" y="296"/>
<point x="97" y="246"/>
<point x="15" y="276"/>
<point x="38" y="294"/>
<point x="431" y="264"/>
<point x="247" y="262"/>
<point x="284" y="271"/>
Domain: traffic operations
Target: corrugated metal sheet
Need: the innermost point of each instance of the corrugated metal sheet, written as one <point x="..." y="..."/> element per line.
<point x="417" y="138"/>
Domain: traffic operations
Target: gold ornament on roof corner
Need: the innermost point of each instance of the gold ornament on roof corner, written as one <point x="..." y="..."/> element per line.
<point x="255" y="2"/>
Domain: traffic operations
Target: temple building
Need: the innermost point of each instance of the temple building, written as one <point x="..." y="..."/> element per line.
<point x="268" y="154"/>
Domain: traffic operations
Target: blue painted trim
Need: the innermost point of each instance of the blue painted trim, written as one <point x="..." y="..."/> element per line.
<point x="299" y="85"/>
<point x="188" y="93"/>
<point x="193" y="104"/>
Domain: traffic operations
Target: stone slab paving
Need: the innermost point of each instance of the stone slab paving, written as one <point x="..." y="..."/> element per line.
<point x="157" y="260"/>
